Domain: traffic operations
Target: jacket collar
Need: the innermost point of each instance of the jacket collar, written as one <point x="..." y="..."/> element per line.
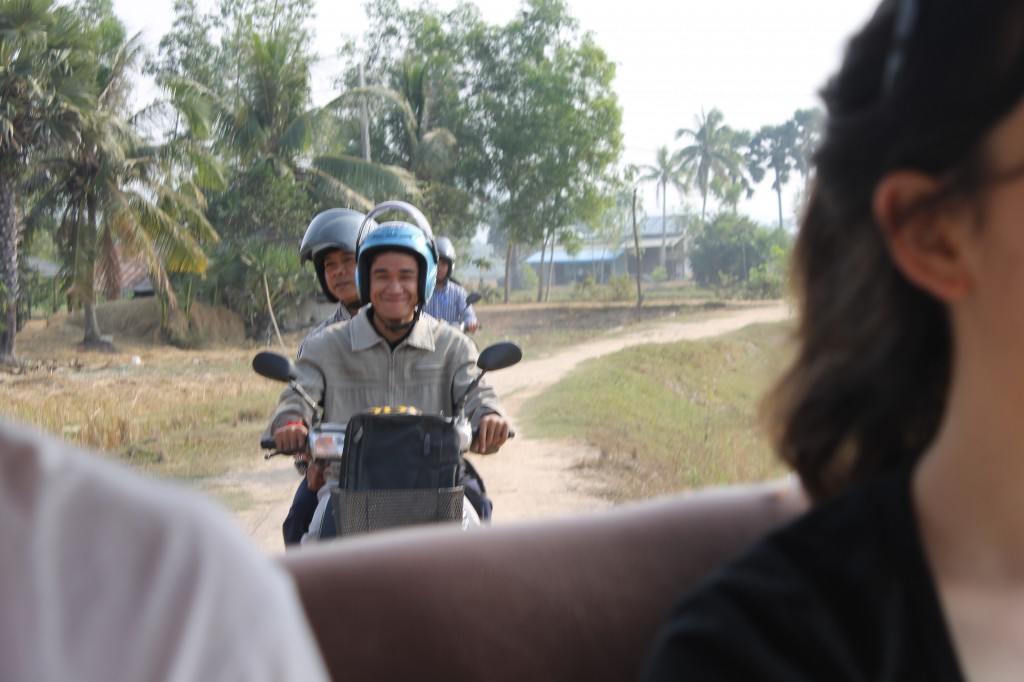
<point x="365" y="336"/>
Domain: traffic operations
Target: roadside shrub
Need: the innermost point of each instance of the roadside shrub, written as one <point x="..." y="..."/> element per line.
<point x="490" y="294"/>
<point x="737" y="258"/>
<point x="659" y="274"/>
<point x="770" y="279"/>
<point x="622" y="287"/>
<point x="585" y="289"/>
<point x="527" y="277"/>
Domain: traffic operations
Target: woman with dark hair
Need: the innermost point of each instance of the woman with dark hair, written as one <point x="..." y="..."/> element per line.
<point x="902" y="411"/>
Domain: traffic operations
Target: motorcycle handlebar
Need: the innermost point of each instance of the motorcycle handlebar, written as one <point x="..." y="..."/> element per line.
<point x="268" y="443"/>
<point x="511" y="433"/>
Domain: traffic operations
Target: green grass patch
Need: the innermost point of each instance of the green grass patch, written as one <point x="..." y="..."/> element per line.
<point x="549" y="329"/>
<point x="670" y="417"/>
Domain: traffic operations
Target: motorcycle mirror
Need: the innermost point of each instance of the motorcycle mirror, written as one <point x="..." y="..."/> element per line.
<point x="499" y="356"/>
<point x="473" y="298"/>
<point x="274" y="366"/>
<point x="496" y="356"/>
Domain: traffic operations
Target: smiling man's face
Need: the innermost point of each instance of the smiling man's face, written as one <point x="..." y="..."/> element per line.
<point x="394" y="278"/>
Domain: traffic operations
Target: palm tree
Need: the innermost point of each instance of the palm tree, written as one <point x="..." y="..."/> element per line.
<point x="665" y="171"/>
<point x="428" y="151"/>
<point x="775" y="148"/>
<point x="267" y="121"/>
<point x="43" y="60"/>
<point x="417" y="143"/>
<point x="116" y="195"/>
<point x="712" y="158"/>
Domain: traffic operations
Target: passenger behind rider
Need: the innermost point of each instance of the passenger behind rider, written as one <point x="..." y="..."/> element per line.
<point x="330" y="242"/>
<point x="449" y="300"/>
<point x="390" y="354"/>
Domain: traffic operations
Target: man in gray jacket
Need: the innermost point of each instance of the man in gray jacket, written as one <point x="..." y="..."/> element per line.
<point x="390" y="354"/>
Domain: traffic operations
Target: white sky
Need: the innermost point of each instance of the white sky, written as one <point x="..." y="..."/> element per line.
<point x="758" y="61"/>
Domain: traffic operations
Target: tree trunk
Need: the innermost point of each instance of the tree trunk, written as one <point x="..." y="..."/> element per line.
<point x="778" y="193"/>
<point x="8" y="269"/>
<point x="88" y="293"/>
<point x="270" y="311"/>
<point x="551" y="270"/>
<point x="682" y="248"/>
<point x="663" y="259"/>
<point x="540" y="269"/>
<point x="636" y="243"/>
<point x="364" y="116"/>
<point x="91" y="324"/>
<point x="508" y="269"/>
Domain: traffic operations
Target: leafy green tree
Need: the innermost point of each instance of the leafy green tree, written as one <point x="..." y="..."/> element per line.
<point x="268" y="122"/>
<point x="268" y="133"/>
<point x="420" y="64"/>
<point x="115" y="193"/>
<point x="189" y="49"/>
<point x="550" y="122"/>
<point x="809" y="124"/>
<point x="45" y="71"/>
<point x="712" y="160"/>
<point x="425" y="148"/>
<point x="728" y="248"/>
<point x="664" y="172"/>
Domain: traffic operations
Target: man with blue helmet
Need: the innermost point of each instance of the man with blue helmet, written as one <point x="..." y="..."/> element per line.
<point x="390" y="354"/>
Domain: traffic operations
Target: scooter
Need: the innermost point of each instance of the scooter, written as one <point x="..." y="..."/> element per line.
<point x="368" y="490"/>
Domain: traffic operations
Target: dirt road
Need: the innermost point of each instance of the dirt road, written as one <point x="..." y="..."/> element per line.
<point x="529" y="478"/>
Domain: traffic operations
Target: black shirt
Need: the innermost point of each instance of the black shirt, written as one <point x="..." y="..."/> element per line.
<point x="842" y="593"/>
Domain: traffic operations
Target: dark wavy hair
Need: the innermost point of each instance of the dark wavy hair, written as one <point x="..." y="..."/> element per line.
<point x="868" y="385"/>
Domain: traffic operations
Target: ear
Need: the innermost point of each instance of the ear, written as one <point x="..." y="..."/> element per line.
<point x="927" y="243"/>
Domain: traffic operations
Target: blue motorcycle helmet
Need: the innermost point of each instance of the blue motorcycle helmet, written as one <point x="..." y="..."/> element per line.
<point x="415" y="238"/>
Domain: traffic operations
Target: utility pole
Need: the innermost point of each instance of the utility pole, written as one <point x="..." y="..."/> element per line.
<point x="364" y="115"/>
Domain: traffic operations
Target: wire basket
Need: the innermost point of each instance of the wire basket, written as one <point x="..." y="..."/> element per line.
<point x="366" y="511"/>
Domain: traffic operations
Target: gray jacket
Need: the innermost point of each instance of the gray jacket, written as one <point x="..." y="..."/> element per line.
<point x="350" y="368"/>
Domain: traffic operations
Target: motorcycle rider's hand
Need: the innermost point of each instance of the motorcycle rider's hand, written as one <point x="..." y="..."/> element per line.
<point x="471" y="327"/>
<point x="315" y="474"/>
<point x="290" y="437"/>
<point x="492" y="432"/>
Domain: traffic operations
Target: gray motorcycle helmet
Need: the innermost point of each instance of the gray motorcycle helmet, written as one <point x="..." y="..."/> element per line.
<point x="335" y="228"/>
<point x="446" y="252"/>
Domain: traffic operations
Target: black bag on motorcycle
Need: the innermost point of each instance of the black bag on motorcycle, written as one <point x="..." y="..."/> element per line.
<point x="397" y="469"/>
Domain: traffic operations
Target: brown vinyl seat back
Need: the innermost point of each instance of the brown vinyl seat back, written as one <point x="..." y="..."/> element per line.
<point x="568" y="599"/>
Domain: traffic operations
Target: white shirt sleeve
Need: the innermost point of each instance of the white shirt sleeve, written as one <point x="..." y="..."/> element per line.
<point x="112" y="576"/>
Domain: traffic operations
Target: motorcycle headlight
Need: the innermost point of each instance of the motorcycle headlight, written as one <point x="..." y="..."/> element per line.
<point x="327" y="444"/>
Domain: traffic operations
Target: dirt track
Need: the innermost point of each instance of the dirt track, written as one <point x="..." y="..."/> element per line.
<point x="529" y="478"/>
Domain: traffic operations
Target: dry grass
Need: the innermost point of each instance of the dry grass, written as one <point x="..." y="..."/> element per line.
<point x="177" y="413"/>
